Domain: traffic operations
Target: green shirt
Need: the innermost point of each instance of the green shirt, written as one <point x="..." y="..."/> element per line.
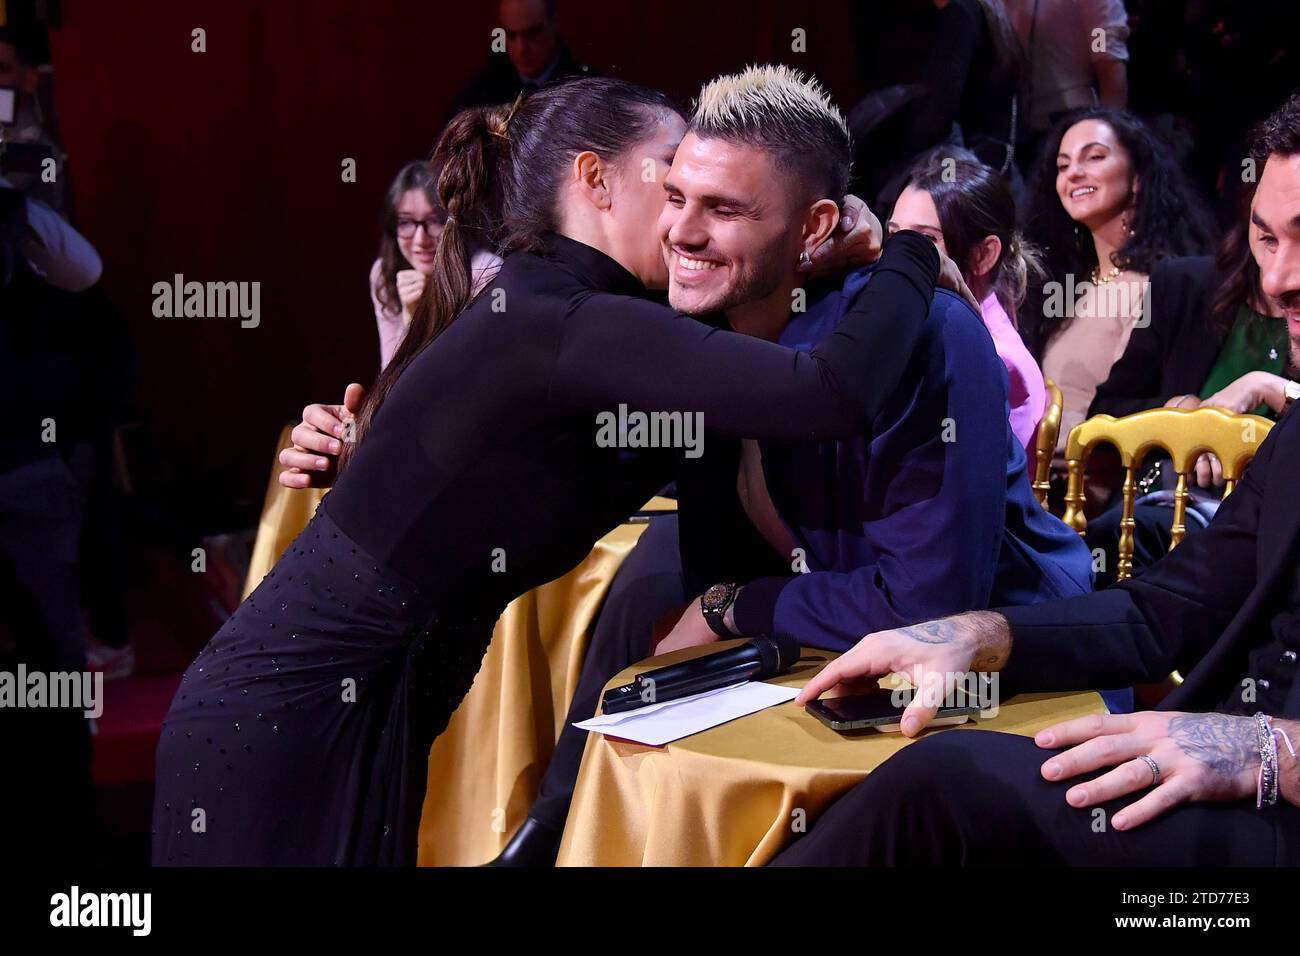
<point x="1255" y="342"/>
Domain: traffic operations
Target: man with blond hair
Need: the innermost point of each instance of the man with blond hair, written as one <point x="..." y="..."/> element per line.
<point x="930" y="510"/>
<point x="826" y="541"/>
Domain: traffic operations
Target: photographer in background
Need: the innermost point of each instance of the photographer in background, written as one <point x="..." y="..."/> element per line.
<point x="58" y="253"/>
<point x="42" y="504"/>
<point x="36" y="159"/>
<point x="51" y="366"/>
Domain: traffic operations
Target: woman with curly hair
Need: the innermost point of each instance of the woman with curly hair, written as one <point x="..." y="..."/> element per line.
<point x="1107" y="203"/>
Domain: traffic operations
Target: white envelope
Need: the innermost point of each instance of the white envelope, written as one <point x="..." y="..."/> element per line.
<point x="662" y="723"/>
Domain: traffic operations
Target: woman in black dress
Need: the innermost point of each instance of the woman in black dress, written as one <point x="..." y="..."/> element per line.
<point x="300" y="734"/>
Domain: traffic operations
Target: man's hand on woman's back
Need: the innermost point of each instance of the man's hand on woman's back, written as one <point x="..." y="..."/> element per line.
<point x="312" y="460"/>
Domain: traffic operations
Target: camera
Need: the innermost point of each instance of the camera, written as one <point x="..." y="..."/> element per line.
<point x="15" y="156"/>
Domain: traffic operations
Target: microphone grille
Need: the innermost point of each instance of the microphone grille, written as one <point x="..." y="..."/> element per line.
<point x="777" y="653"/>
<point x="787" y="649"/>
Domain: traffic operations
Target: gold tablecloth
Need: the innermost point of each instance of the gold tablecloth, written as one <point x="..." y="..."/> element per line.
<point x="285" y="512"/>
<point x="734" y="795"/>
<point x="485" y="768"/>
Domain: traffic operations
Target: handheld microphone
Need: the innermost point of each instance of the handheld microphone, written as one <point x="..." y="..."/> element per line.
<point x="757" y="658"/>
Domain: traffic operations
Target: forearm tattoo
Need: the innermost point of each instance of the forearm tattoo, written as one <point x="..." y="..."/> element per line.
<point x="1225" y="744"/>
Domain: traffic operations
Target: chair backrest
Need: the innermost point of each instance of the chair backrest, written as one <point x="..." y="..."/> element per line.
<point x="1185" y="434"/>
<point x="1049" y="431"/>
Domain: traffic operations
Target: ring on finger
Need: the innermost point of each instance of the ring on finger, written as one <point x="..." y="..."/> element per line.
<point x="1150" y="761"/>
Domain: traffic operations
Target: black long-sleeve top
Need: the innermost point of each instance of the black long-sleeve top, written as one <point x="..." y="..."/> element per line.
<point x="481" y="476"/>
<point x="1175" y="352"/>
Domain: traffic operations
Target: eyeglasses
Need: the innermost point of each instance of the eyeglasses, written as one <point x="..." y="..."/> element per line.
<point x="432" y="227"/>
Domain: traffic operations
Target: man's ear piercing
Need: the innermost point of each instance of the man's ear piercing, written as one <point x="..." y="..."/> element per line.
<point x="804" y="258"/>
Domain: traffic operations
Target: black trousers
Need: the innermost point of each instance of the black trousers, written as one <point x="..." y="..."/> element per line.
<point x="648" y="583"/>
<point x="1151" y="537"/>
<point x="972" y="797"/>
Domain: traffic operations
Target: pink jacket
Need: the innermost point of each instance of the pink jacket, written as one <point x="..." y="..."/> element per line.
<point x="392" y="324"/>
<point x="1027" y="395"/>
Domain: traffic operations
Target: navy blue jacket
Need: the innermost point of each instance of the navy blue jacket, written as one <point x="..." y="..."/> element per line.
<point x="930" y="514"/>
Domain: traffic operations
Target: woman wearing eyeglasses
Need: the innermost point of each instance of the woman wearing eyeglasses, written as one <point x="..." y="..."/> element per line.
<point x="413" y="221"/>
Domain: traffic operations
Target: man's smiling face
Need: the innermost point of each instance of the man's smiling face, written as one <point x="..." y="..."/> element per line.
<point x="729" y="229"/>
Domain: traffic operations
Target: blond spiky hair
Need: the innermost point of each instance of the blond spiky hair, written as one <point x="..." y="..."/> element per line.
<point x="763" y="94"/>
<point x="778" y="109"/>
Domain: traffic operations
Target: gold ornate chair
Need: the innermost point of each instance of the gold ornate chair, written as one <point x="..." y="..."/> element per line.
<point x="1185" y="434"/>
<point x="1049" y="431"/>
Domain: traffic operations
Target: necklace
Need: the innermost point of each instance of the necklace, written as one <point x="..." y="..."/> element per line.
<point x="1108" y="277"/>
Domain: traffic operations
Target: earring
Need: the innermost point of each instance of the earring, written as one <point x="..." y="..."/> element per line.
<point x="804" y="258"/>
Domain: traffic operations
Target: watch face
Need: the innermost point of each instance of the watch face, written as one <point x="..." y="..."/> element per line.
<point x="716" y="597"/>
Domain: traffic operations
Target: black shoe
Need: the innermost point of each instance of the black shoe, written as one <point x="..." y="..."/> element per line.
<point x="534" y="844"/>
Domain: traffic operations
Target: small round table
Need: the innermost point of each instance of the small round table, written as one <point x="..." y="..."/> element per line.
<point x="735" y="795"/>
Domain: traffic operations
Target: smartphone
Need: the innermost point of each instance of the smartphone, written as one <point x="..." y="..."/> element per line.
<point x="877" y="711"/>
<point x="8" y="105"/>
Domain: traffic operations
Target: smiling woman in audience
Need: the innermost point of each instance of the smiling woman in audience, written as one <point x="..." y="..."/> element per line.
<point x="413" y="221"/>
<point x="1107" y="203"/>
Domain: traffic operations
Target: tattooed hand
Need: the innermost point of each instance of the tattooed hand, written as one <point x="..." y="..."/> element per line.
<point x="935" y="651"/>
<point x="1202" y="757"/>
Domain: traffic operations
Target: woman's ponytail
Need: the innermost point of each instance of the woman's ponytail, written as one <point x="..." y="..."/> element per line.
<point x="502" y="172"/>
<point x="1021" y="265"/>
<point x="471" y="153"/>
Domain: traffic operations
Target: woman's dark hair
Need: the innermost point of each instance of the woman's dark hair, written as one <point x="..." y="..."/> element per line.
<point x="418" y="175"/>
<point x="501" y="172"/>
<point x="1169" y="218"/>
<point x="975" y="202"/>
<point x="600" y="114"/>
<point x="1236" y="272"/>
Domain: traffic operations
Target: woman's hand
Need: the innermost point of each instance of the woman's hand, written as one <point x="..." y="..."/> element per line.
<point x="410" y="286"/>
<point x="1249" y="392"/>
<point x="1209" y="471"/>
<point x="927" y="655"/>
<point x="317" y="441"/>
<point x="856" y="242"/>
<point x="1239" y="397"/>
<point x="1201" y="757"/>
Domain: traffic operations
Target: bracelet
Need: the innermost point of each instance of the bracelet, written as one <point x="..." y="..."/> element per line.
<point x="1266" y="791"/>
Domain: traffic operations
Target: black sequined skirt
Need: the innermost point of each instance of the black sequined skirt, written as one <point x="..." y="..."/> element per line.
<point x="300" y="734"/>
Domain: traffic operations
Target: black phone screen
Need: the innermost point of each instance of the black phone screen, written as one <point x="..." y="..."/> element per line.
<point x="876" y="705"/>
